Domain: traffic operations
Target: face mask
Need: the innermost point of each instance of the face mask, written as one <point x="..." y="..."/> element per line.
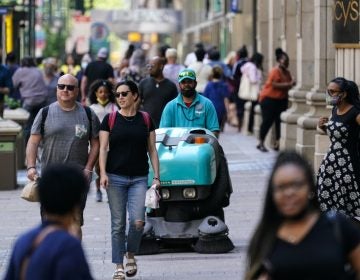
<point x="333" y="100"/>
<point x="83" y="65"/>
<point x="102" y="102"/>
<point x="48" y="71"/>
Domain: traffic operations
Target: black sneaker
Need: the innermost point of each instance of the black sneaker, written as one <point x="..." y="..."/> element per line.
<point x="98" y="196"/>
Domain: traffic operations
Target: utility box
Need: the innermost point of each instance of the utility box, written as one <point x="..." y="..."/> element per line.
<point x="8" y="135"/>
<point x="20" y="116"/>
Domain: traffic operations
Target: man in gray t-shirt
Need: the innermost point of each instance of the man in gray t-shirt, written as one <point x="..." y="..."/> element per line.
<point x="65" y="135"/>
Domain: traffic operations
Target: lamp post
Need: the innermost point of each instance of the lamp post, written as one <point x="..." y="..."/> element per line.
<point x="31" y="30"/>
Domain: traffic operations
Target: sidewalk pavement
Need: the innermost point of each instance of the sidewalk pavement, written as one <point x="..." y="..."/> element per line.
<point x="249" y="169"/>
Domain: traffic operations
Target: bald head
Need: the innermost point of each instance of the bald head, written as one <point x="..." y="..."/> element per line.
<point x="67" y="90"/>
<point x="64" y="79"/>
<point x="156" y="66"/>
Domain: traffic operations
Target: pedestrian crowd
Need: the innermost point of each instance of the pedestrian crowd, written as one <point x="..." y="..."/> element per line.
<point x="89" y="118"/>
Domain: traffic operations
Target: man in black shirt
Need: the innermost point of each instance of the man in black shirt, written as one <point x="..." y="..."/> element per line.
<point x="98" y="69"/>
<point x="156" y="91"/>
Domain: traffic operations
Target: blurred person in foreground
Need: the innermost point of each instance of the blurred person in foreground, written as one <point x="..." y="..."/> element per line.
<point x="293" y="240"/>
<point x="49" y="251"/>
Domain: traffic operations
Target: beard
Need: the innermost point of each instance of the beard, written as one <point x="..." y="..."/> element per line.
<point x="188" y="92"/>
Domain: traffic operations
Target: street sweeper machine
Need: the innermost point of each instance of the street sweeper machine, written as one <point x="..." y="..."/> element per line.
<point x="195" y="187"/>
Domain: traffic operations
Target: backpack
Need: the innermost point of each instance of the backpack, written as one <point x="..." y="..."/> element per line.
<point x="112" y="118"/>
<point x="45" y="112"/>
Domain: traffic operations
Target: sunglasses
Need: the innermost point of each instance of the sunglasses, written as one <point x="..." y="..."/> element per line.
<point x="69" y="87"/>
<point x="123" y="94"/>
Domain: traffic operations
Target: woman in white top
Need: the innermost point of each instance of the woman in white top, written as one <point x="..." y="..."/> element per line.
<point x="253" y="71"/>
<point x="102" y="100"/>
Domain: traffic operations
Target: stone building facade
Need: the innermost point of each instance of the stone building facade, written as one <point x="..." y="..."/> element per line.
<point x="304" y="29"/>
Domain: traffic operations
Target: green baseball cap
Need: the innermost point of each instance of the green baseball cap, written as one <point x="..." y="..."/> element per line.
<point x="187" y="74"/>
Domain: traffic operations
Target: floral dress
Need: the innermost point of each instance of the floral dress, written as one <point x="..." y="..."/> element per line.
<point x="338" y="176"/>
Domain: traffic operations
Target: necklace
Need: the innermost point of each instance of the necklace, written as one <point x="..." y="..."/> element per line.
<point x="129" y="119"/>
<point x="157" y="85"/>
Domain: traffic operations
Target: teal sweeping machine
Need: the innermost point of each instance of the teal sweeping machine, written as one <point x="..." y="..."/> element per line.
<point x="195" y="187"/>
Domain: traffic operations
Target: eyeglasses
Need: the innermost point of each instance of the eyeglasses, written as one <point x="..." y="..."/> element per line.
<point x="69" y="87"/>
<point x="295" y="186"/>
<point x="123" y="94"/>
<point x="332" y="92"/>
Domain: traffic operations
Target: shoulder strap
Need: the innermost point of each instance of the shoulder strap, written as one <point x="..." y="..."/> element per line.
<point x="44" y="114"/>
<point x="146" y="118"/>
<point x="111" y="120"/>
<point x="37" y="241"/>
<point x="88" y="114"/>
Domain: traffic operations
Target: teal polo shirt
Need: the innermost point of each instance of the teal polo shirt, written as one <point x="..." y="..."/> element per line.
<point x="201" y="113"/>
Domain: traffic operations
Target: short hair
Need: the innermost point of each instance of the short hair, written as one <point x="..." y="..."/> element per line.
<point x="28" y="61"/>
<point x="200" y="54"/>
<point x="61" y="188"/>
<point x="242" y="52"/>
<point x="171" y="52"/>
<point x="217" y="72"/>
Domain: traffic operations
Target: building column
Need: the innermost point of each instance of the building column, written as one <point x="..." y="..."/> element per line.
<point x="323" y="72"/>
<point x="304" y="73"/>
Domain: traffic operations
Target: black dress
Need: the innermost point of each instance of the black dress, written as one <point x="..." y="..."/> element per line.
<point x="339" y="173"/>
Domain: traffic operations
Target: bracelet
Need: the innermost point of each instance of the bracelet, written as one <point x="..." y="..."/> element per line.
<point x="156" y="178"/>
<point x="88" y="170"/>
<point x="31" y="167"/>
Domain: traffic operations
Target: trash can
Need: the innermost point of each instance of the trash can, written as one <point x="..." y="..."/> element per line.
<point x="20" y="116"/>
<point x="8" y="135"/>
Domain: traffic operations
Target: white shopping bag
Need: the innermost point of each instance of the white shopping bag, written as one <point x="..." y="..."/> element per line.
<point x="152" y="198"/>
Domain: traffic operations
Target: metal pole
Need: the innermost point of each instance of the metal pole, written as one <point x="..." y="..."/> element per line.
<point x="254" y="12"/>
<point x="31" y="32"/>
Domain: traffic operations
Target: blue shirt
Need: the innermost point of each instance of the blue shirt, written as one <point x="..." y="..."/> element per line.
<point x="5" y="79"/>
<point x="201" y="113"/>
<point x="58" y="256"/>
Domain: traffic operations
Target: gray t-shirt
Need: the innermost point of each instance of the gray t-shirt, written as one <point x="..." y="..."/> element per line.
<point x="66" y="135"/>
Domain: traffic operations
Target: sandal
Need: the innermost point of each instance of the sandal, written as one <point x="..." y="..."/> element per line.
<point x="119" y="274"/>
<point x="131" y="268"/>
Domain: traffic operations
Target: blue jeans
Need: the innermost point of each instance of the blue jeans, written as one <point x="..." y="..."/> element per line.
<point x="126" y="192"/>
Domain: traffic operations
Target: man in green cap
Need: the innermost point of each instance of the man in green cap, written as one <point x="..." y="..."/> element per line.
<point x="189" y="108"/>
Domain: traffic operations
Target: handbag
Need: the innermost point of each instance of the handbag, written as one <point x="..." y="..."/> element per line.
<point x="30" y="191"/>
<point x="247" y="89"/>
<point x="152" y="197"/>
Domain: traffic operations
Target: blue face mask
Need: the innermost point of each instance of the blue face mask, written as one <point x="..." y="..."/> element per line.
<point x="333" y="100"/>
